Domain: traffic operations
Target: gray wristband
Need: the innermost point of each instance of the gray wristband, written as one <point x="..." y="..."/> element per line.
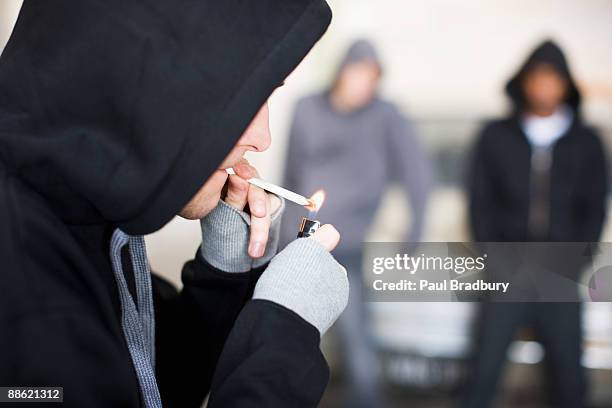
<point x="306" y="279"/>
<point x="225" y="238"/>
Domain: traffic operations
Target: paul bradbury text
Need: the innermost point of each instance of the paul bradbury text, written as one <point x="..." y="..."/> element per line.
<point x="432" y="274"/>
<point x="443" y="286"/>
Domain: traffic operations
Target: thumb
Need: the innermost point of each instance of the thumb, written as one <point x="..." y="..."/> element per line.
<point x="328" y="236"/>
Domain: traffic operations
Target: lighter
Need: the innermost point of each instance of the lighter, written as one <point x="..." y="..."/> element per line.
<point x="308" y="227"/>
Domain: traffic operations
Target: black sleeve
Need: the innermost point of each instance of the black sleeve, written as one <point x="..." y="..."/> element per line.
<point x="192" y="326"/>
<point x="482" y="196"/>
<point x="271" y="359"/>
<point x="593" y="195"/>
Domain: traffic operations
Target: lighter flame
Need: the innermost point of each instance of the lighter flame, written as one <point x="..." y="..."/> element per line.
<point x="316" y="201"/>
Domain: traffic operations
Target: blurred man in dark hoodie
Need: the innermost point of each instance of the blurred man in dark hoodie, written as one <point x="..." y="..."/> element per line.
<point x="116" y="116"/>
<point x="353" y="144"/>
<point x="538" y="175"/>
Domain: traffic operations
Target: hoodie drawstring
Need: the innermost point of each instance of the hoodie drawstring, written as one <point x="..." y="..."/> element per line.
<point x="138" y="322"/>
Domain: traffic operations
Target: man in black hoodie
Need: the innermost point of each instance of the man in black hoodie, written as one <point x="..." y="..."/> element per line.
<point x="538" y="175"/>
<point x="114" y="117"/>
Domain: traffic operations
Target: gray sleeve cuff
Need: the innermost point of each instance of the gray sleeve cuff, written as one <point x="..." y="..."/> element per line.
<point x="225" y="238"/>
<point x="306" y="279"/>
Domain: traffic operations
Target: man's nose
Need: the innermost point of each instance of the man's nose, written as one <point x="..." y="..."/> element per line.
<point x="264" y="139"/>
<point x="257" y="137"/>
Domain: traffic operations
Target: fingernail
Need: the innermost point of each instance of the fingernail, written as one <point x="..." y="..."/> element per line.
<point x="257" y="249"/>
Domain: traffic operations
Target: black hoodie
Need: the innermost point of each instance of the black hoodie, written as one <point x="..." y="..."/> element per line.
<point x="113" y="113"/>
<point x="500" y="175"/>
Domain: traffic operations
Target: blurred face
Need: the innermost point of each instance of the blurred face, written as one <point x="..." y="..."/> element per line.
<point x="357" y="84"/>
<point x="544" y="89"/>
<point x="256" y="138"/>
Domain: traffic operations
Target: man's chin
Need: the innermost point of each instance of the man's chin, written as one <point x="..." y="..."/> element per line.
<point x="201" y="208"/>
<point x="207" y="198"/>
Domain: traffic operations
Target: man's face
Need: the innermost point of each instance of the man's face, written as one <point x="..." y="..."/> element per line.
<point x="358" y="82"/>
<point x="256" y="138"/>
<point x="544" y="89"/>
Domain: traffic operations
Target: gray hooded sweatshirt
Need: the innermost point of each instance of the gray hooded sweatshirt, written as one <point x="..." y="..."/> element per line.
<point x="353" y="157"/>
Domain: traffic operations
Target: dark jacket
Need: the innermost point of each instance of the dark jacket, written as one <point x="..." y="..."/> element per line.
<point x="112" y="115"/>
<point x="500" y="174"/>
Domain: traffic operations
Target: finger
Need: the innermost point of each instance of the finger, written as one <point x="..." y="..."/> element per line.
<point x="244" y="169"/>
<point x="260" y="227"/>
<point x="258" y="198"/>
<point x="258" y="201"/>
<point x="328" y="236"/>
<point x="237" y="192"/>
<point x="238" y="187"/>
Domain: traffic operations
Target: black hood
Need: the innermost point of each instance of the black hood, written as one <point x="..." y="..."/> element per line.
<point x="117" y="111"/>
<point x="550" y="53"/>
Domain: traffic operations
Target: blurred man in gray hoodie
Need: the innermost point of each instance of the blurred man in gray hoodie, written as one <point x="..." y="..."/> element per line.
<point x="353" y="144"/>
